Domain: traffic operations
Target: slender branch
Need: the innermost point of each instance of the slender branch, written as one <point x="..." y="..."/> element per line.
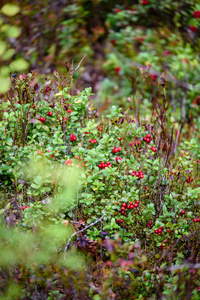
<point x="80" y="62"/>
<point x="66" y="247"/>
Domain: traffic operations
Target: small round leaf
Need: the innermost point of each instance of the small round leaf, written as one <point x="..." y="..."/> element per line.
<point x="10" y="9"/>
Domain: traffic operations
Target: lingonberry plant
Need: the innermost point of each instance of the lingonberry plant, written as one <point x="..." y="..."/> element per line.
<point x="148" y="197"/>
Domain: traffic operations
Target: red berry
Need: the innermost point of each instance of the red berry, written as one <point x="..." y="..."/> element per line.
<point x="128" y="206"/>
<point x="117" y="10"/>
<point x="100" y="128"/>
<point x="148" y="136"/>
<point x="136" y="205"/>
<point x="23" y="207"/>
<point x="115" y="150"/>
<point x="121" y="221"/>
<point x="145" y="2"/>
<point x="118" y="159"/>
<point x="123" y="208"/>
<point x="120" y="148"/>
<point x="144" y="139"/>
<point x="159" y="230"/>
<point x="39" y="152"/>
<point x="50" y="113"/>
<point x="73" y="137"/>
<point x="124" y="204"/>
<point x="27" y="206"/>
<point x="131" y="206"/>
<point x="159" y="233"/>
<point x="131" y="203"/>
<point x="119" y="139"/>
<point x="137" y="202"/>
<point x="195" y="220"/>
<point x="148" y="140"/>
<point x="193" y="28"/>
<point x="182" y="211"/>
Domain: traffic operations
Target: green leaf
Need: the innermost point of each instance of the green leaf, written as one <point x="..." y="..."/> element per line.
<point x="9" y="141"/>
<point x="19" y="64"/>
<point x="2" y="47"/>
<point x="5" y="83"/>
<point x="8" y="54"/>
<point x="10" y="9"/>
<point x="13" y="32"/>
<point x="164" y="209"/>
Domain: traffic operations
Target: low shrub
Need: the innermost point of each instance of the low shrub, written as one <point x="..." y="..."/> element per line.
<point x="128" y="188"/>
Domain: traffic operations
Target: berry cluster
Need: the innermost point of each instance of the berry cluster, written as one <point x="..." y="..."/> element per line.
<point x="73" y="137"/>
<point x="87" y="133"/>
<point x="147" y="138"/>
<point x="162" y="246"/>
<point x="159" y="231"/>
<point x="196" y="220"/>
<point x="153" y="149"/>
<point x="131" y="205"/>
<point x="42" y="120"/>
<point x="149" y="224"/>
<point x="103" y="165"/>
<point x="115" y="150"/>
<point x="68" y="162"/>
<point x="117" y="159"/>
<point x="51" y="155"/>
<point x="132" y="249"/>
<point x="119" y="221"/>
<point x="189" y="179"/>
<point x="70" y="111"/>
<point x="138" y="174"/>
<point x="93" y="141"/>
<point x="24" y="207"/>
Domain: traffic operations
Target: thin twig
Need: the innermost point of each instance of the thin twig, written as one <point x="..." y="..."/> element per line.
<point x="77" y="223"/>
<point x="80" y="62"/>
<point x="66" y="247"/>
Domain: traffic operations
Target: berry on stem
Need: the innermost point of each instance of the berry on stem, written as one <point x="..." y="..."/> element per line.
<point x="73" y="137"/>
